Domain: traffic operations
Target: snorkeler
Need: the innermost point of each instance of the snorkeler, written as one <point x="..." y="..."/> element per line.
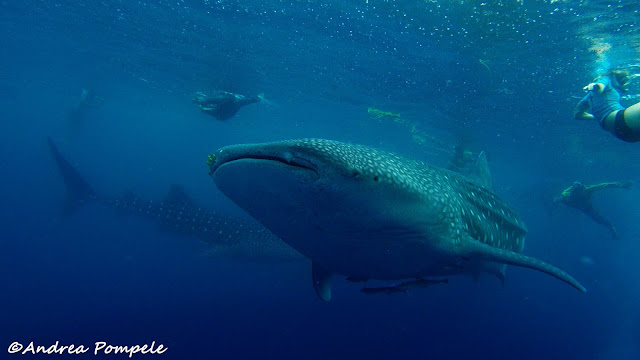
<point x="223" y="105"/>
<point x="603" y="101"/>
<point x="462" y="158"/>
<point x="579" y="196"/>
<point x="88" y="99"/>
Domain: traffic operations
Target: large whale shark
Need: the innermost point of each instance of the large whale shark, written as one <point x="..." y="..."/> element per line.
<point x="370" y="214"/>
<point x="227" y="236"/>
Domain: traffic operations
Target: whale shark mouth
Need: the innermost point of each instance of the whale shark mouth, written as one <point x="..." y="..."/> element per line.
<point x="296" y="162"/>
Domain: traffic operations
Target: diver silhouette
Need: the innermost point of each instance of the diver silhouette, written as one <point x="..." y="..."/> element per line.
<point x="578" y="196"/>
<point x="223" y="105"/>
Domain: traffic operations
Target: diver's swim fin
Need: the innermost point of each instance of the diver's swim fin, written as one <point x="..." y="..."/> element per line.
<point x="78" y="190"/>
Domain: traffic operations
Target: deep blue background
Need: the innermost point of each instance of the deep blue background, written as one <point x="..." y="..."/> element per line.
<point x="503" y="75"/>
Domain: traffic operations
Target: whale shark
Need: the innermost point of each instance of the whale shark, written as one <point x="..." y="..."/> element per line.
<point x="227" y="236"/>
<point x="367" y="214"/>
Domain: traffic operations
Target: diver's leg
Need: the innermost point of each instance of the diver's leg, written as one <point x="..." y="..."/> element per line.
<point x="245" y="100"/>
<point x="632" y="117"/>
<point x="624" y="124"/>
<point x="601" y="220"/>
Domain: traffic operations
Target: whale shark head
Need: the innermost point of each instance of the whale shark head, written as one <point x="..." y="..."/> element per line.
<point x="326" y="198"/>
<point x="371" y="214"/>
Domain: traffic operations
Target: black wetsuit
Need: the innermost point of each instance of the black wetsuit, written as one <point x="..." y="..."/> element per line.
<point x="221" y="104"/>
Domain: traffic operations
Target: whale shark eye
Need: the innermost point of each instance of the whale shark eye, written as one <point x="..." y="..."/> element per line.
<point x="376" y="178"/>
<point x="355" y="173"/>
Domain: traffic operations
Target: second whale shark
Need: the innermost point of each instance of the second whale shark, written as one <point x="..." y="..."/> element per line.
<point x="226" y="236"/>
<point x="371" y="214"/>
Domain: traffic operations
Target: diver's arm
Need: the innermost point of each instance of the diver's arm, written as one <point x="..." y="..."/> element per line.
<point x="599" y="85"/>
<point x="559" y="199"/>
<point x="581" y="110"/>
<point x="592" y="188"/>
<point x="596" y="87"/>
<point x="246" y="100"/>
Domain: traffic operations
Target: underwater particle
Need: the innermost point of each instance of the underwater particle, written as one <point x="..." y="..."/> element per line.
<point x="586" y="260"/>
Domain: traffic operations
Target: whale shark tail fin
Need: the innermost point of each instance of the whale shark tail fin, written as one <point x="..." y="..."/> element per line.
<point x="478" y="250"/>
<point x="78" y="190"/>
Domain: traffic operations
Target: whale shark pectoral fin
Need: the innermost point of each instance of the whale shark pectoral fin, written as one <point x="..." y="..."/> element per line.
<point x="501" y="276"/>
<point x="476" y="249"/>
<point x="321" y="281"/>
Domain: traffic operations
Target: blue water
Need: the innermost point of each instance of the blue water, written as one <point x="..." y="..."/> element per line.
<point x="501" y="75"/>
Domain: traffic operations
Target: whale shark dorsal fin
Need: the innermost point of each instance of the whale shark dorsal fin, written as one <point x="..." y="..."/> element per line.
<point x="321" y="281"/>
<point x="475" y="249"/>
<point x="178" y="196"/>
<point x="481" y="173"/>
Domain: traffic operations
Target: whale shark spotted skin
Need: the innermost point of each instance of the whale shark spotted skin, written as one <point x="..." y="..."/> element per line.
<point x="370" y="214"/>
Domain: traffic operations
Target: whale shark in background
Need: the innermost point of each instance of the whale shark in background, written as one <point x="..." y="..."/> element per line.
<point x="370" y="214"/>
<point x="227" y="236"/>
